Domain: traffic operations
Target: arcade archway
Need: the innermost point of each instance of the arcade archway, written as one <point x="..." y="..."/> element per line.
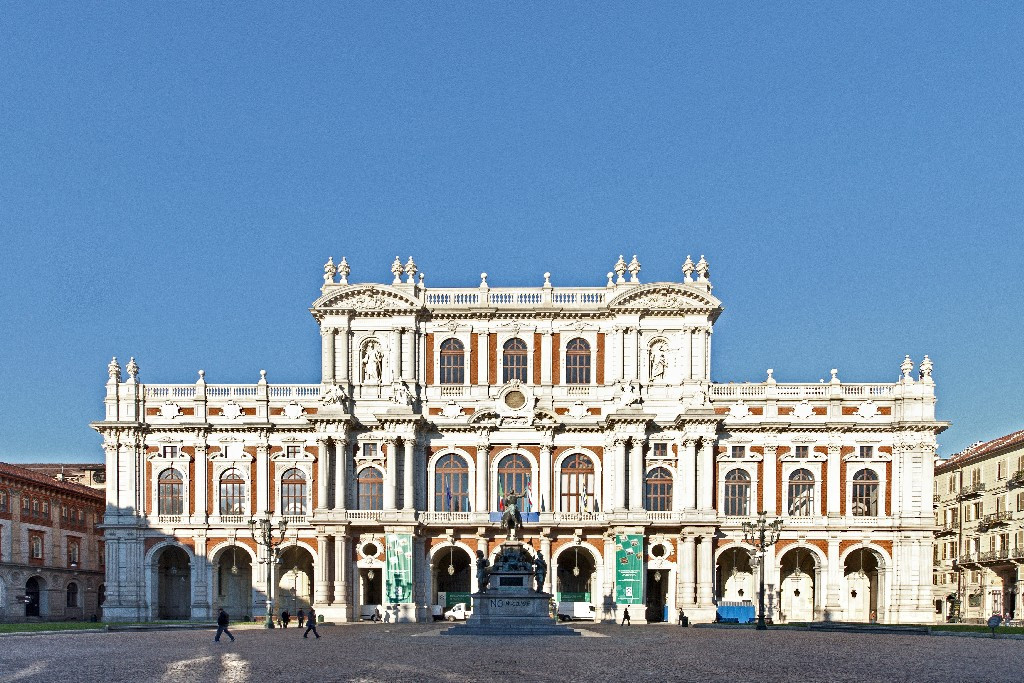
<point x="233" y="589"/>
<point x="735" y="577"/>
<point x="174" y="584"/>
<point x="860" y="596"/>
<point x="294" y="580"/>
<point x="451" y="572"/>
<point x="575" y="575"/>
<point x="799" y="573"/>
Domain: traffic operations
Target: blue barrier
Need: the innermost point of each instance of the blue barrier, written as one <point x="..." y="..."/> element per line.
<point x="740" y="614"/>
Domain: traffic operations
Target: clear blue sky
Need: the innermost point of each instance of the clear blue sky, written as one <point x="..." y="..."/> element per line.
<point x="174" y="175"/>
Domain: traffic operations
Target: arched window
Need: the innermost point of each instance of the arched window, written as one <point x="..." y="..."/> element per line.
<point x="169" y="500"/>
<point x="737" y="494"/>
<point x="451" y="484"/>
<point x="293" y="492"/>
<point x="577" y="362"/>
<point x="72" y="596"/>
<point x="658" y="490"/>
<point x="232" y="493"/>
<point x="577" y="484"/>
<point x="514" y="363"/>
<point x="453" y="362"/>
<point x="370" y="483"/>
<point x="514" y="475"/>
<point x="865" y="493"/>
<point x="801" y="493"/>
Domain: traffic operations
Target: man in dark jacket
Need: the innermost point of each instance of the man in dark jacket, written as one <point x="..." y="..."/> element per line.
<point x="222" y="626"/>
<point x="311" y="624"/>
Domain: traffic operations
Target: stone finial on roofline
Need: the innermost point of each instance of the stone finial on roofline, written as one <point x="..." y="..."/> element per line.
<point x="396" y="270"/>
<point x="620" y="269"/>
<point x="410" y="271"/>
<point x="688" y="269"/>
<point x="907" y="367"/>
<point x="344" y="270"/>
<point x="114" y="370"/>
<point x="925" y="370"/>
<point x="133" y="369"/>
<point x="703" y="272"/>
<point x="634" y="270"/>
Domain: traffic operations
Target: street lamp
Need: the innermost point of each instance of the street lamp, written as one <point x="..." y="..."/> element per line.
<point x="761" y="534"/>
<point x="263" y="533"/>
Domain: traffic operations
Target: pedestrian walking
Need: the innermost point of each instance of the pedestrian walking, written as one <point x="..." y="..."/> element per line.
<point x="993" y="623"/>
<point x="311" y="624"/>
<point x="222" y="626"/>
<point x="625" y="617"/>
<point x="285" y="618"/>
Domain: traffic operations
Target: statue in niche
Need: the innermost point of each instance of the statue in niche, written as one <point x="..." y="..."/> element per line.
<point x="659" y="361"/>
<point x="373" y="363"/>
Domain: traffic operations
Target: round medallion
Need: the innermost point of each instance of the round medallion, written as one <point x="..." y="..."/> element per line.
<point x="515" y="400"/>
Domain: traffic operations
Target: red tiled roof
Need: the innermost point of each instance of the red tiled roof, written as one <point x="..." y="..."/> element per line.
<point x="983" y="448"/>
<point x="70" y="487"/>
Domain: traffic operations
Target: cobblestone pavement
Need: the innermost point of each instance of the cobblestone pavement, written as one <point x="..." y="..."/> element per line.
<point x="381" y="652"/>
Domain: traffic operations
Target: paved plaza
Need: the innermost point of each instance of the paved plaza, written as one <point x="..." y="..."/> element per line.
<point x="365" y="652"/>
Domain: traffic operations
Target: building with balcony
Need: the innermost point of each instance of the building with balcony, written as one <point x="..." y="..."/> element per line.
<point x="594" y="403"/>
<point x="979" y="545"/>
<point x="52" y="557"/>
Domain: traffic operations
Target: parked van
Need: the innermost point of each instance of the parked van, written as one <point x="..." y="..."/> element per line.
<point x="458" y="612"/>
<point x="576" y="611"/>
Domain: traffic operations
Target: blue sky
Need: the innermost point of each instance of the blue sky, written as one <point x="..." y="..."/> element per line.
<point x="174" y="175"/>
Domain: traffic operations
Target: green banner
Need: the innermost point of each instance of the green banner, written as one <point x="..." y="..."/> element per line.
<point x="629" y="569"/>
<point x="399" y="574"/>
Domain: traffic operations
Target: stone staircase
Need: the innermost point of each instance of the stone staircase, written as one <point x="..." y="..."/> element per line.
<point x="859" y="627"/>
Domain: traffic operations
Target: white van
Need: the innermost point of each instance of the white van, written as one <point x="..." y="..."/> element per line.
<point x="576" y="611"/>
<point x="458" y="612"/>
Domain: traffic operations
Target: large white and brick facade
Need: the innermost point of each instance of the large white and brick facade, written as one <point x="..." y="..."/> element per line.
<point x="597" y="400"/>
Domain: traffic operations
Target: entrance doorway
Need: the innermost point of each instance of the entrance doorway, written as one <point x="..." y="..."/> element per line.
<point x="175" y="584"/>
<point x="575" y="575"/>
<point x="657" y="595"/>
<point x="371" y="590"/>
<point x="452" y="573"/>
<point x="295" y="580"/>
<point x="32" y="593"/>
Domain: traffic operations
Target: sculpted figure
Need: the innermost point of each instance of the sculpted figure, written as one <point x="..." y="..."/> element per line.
<point x="511" y="519"/>
<point x="540" y="570"/>
<point x="373" y="361"/>
<point x="482" y="575"/>
<point x="659" y="363"/>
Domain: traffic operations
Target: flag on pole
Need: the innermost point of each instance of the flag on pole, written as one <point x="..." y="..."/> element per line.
<point x="586" y="498"/>
<point x="529" y="496"/>
<point x="448" y="494"/>
<point x="501" y="494"/>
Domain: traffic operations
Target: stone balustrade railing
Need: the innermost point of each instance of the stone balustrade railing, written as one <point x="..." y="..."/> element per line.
<point x="229" y="391"/>
<point x="801" y="391"/>
<point x="506" y="297"/>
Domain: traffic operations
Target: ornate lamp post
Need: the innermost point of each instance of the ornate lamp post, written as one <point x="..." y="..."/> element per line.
<point x="263" y="533"/>
<point x="761" y="534"/>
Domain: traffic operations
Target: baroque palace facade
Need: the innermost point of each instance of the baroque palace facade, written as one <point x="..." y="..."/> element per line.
<point x="596" y="402"/>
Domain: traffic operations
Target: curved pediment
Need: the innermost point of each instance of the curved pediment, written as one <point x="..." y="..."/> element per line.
<point x="365" y="299"/>
<point x="665" y="296"/>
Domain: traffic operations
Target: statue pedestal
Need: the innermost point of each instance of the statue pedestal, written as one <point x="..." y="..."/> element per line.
<point x="510" y="606"/>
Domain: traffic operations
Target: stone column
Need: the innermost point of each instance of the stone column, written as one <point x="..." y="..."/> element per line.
<point x="408" y="359"/>
<point x="395" y="362"/>
<point x="545" y="551"/>
<point x="322" y="472"/>
<point x="770" y="486"/>
<point x="408" y="481"/>
<point x="482" y="359"/>
<point x="834" y="488"/>
<point x="110" y="450"/>
<point x="545" y="358"/>
<point x="835" y="575"/>
<point x="688" y="345"/>
<point x="321" y="587"/>
<point x="544" y="502"/>
<point x="686" y="486"/>
<point x="687" y="549"/>
<point x="620" y="473"/>
<point x="636" y="474"/>
<point x="341" y="359"/>
<point x="634" y="353"/>
<point x="263" y="482"/>
<point x="327" y="354"/>
<point x="341" y="448"/>
<point x="706" y="474"/>
<point x="483" y="450"/>
<point x="341" y="580"/>
<point x="705" y="570"/>
<point x="199" y="505"/>
<point x="391" y="473"/>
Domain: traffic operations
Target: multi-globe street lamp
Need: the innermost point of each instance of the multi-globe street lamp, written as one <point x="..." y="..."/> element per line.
<point x="263" y="533"/>
<point x="761" y="534"/>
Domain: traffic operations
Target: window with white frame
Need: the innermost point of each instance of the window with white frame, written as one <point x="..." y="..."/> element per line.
<point x="293" y="492"/>
<point x="577" y="483"/>
<point x="451" y="484"/>
<point x="577" y="362"/>
<point x="867" y="451"/>
<point x="515" y="361"/>
<point x="452" y="362"/>
<point x="865" y="493"/>
<point x="801" y="493"/>
<point x="658" y="490"/>
<point x="801" y="451"/>
<point x="739" y="451"/>
<point x="736" y="498"/>
<point x="232" y="493"/>
<point x="370" y="489"/>
<point x="169" y="488"/>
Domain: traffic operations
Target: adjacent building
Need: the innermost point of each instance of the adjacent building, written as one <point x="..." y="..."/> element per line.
<point x="979" y="541"/>
<point x="596" y="404"/>
<point x="52" y="556"/>
<point x="92" y="475"/>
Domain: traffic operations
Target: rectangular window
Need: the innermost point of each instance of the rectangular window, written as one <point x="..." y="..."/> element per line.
<point x="979" y="512"/>
<point x="3" y="501"/>
<point x="73" y="559"/>
<point x="101" y="553"/>
<point x="1000" y="470"/>
<point x="739" y="451"/>
<point x="867" y="451"/>
<point x="293" y="451"/>
<point x="1000" y="504"/>
<point x="45" y="513"/>
<point x="369" y="450"/>
<point x="170" y="451"/>
<point x="36" y="543"/>
<point x="659" y="450"/>
<point x="26" y="506"/>
<point x="976" y="476"/>
<point x="64" y="513"/>
<point x="1020" y="502"/>
<point x="801" y="451"/>
<point x="35" y="508"/>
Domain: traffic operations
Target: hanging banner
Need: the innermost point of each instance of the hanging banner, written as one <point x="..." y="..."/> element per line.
<point x="399" y="575"/>
<point x="629" y="569"/>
